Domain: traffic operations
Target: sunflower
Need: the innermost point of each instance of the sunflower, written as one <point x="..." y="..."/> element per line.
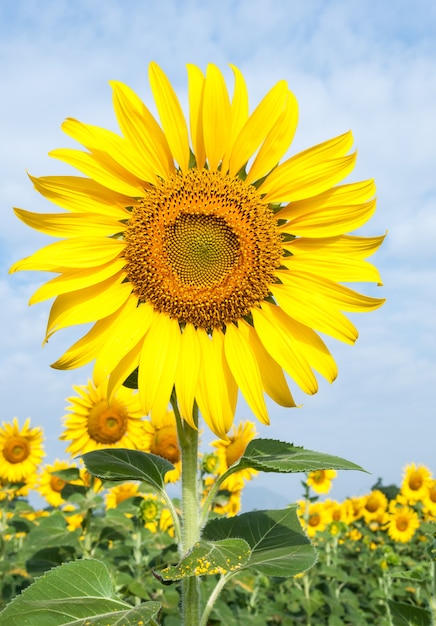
<point x="402" y="524"/>
<point x="160" y="437"/>
<point x="204" y="273"/>
<point x="314" y="516"/>
<point x="230" y="450"/>
<point x="374" y="504"/>
<point x="416" y="479"/>
<point x="97" y="421"/>
<point x="119" y="493"/>
<point x="321" y="480"/>
<point x="429" y="500"/>
<point x="21" y="451"/>
<point x="49" y="485"/>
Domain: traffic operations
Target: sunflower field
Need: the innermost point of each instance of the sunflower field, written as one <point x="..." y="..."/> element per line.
<point x="376" y="553"/>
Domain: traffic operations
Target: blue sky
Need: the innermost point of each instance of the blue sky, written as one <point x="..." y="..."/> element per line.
<point x="368" y="66"/>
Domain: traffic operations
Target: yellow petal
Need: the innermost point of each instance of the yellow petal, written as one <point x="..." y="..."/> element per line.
<point x="79" y="252"/>
<point x="71" y="224"/>
<point x="343" y="245"/>
<point x="217" y="390"/>
<point x="87" y="305"/>
<point x="310" y="172"/>
<point x="336" y="268"/>
<point x="123" y="369"/>
<point x="216" y="116"/>
<point x="88" y="347"/>
<point x="342" y="297"/>
<point x="171" y="115"/>
<point x="312" y="309"/>
<point x="101" y="169"/>
<point x="129" y="329"/>
<point x="273" y="379"/>
<point x="257" y="127"/>
<point x="273" y="328"/>
<point x="188" y="368"/>
<point x="239" y="105"/>
<point x="342" y="195"/>
<point x="158" y="363"/>
<point x="82" y="195"/>
<point x="76" y="279"/>
<point x="330" y="221"/>
<point x="142" y="130"/>
<point x="245" y="370"/>
<point x="195" y="89"/>
<point x="277" y="141"/>
<point x="102" y="141"/>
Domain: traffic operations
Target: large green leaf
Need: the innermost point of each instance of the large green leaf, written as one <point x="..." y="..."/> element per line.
<point x="124" y="464"/>
<point x="271" y="455"/>
<point x="278" y="544"/>
<point x="77" y="594"/>
<point x="407" y="615"/>
<point x="208" y="558"/>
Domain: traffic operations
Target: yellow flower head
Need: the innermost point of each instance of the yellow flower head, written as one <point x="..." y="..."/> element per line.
<point x="119" y="493"/>
<point x="314" y="517"/>
<point x="21" y="451"/>
<point x="415" y="483"/>
<point x="203" y="261"/>
<point x="160" y="437"/>
<point x="96" y="421"/>
<point x="321" y="480"/>
<point x="49" y="485"/>
<point x="429" y="500"/>
<point x="402" y="524"/>
<point x="230" y="450"/>
<point x="374" y="504"/>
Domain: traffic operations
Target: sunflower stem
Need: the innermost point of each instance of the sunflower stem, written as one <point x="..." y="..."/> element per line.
<point x="188" y="441"/>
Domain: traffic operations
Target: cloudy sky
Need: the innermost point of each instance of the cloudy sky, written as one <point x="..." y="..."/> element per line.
<point x="369" y="66"/>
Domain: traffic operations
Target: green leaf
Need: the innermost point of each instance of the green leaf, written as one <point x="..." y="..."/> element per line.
<point x="279" y="547"/>
<point x="408" y="615"/>
<point x="271" y="455"/>
<point x="207" y="558"/>
<point x="124" y="464"/>
<point x="77" y="594"/>
<point x="132" y="380"/>
<point x="72" y="473"/>
<point x="51" y="532"/>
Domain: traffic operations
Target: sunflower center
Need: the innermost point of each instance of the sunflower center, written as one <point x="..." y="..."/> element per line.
<point x="165" y="444"/>
<point x="318" y="476"/>
<point x="57" y="484"/>
<point x="402" y="524"/>
<point x="203" y="248"/>
<point x="107" y="424"/>
<point x="415" y="481"/>
<point x="16" y="449"/>
<point x="372" y="505"/>
<point x="314" y="519"/>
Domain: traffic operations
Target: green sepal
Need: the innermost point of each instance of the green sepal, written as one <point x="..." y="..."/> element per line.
<point x="123" y="464"/>
<point x="272" y="455"/>
<point x="78" y="594"/>
<point x="208" y="558"/>
<point x="279" y="547"/>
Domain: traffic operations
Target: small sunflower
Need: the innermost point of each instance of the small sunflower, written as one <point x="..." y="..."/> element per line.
<point x="119" y="493"/>
<point x="96" y="421"/>
<point x="21" y="451"/>
<point x="321" y="480"/>
<point x="416" y="479"/>
<point x="160" y="437"/>
<point x="403" y="523"/>
<point x="203" y="261"/>
<point x="374" y="504"/>
<point x="429" y="500"/>
<point x="230" y="450"/>
<point x="49" y="485"/>
<point x="314" y="517"/>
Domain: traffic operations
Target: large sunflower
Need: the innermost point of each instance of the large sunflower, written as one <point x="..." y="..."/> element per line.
<point x="96" y="421"/>
<point x="21" y="451"/>
<point x="203" y="262"/>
